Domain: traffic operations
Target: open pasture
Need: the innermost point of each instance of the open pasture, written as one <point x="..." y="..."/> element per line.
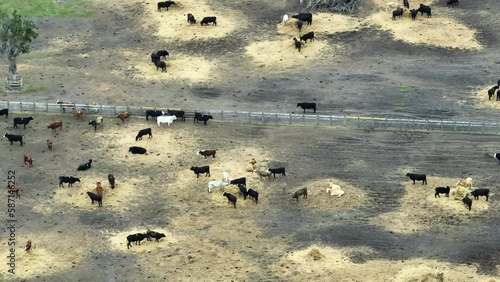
<point x="382" y="218"/>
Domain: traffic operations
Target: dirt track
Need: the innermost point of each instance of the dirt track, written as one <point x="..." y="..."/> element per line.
<point x="361" y="70"/>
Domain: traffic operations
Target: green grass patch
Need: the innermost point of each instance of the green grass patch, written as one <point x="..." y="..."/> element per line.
<point x="49" y="8"/>
<point x="38" y="54"/>
<point x="403" y="88"/>
<point x="30" y="88"/>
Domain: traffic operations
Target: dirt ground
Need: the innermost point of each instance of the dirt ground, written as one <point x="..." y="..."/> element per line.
<point x="367" y="63"/>
<point x="382" y="221"/>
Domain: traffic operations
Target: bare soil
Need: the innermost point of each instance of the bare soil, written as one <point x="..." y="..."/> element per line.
<point x="365" y="64"/>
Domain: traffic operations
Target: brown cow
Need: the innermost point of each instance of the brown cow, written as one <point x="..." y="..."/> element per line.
<point x="99" y="189"/>
<point x="55" y="125"/>
<point x="28" y="160"/>
<point x="80" y="114"/>
<point x="14" y="190"/>
<point x="123" y="116"/>
<point x="49" y="144"/>
<point x="28" y="246"/>
<point x="207" y="153"/>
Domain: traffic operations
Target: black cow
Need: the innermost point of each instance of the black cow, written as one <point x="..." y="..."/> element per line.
<point x="14" y="138"/>
<point x="230" y="198"/>
<point x="164" y="4"/>
<point x="413" y="14"/>
<point x="197" y="117"/>
<point x="253" y="194"/>
<point x="301" y="192"/>
<point x="163" y="53"/>
<point x="179" y="114"/>
<point x="300" y="23"/>
<point x="68" y="179"/>
<point x="498" y="95"/>
<point x="241" y="180"/>
<point x="111" y="180"/>
<point x="279" y="170"/>
<point x="467" y="201"/>
<point x="137" y="150"/>
<point x="207" y="20"/>
<point x="491" y="92"/>
<point x="480" y="192"/>
<point x="191" y="18"/>
<point x="152" y="113"/>
<point x="161" y="65"/>
<point x="397" y="13"/>
<point x="497" y="156"/>
<point x="305" y="106"/>
<point x="155" y="57"/>
<point x="201" y="169"/>
<point x="419" y="177"/>
<point x="157" y="236"/>
<point x="442" y="190"/>
<point x="95" y="197"/>
<point x="425" y="9"/>
<point x="85" y="166"/>
<point x="451" y="3"/>
<point x="307" y="36"/>
<point x="205" y="118"/>
<point x="298" y="44"/>
<point x="136" y="238"/>
<point x="142" y="132"/>
<point x="406" y="4"/>
<point x="306" y="17"/>
<point x="23" y="121"/>
<point x="243" y="190"/>
<point x="4" y="112"/>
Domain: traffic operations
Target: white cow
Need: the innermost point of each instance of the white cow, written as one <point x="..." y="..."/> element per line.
<point x="285" y="19"/>
<point x="226" y="177"/>
<point x="334" y="189"/>
<point x="165" y="119"/>
<point x="216" y="184"/>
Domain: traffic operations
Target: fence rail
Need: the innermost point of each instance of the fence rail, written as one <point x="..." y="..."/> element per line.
<point x="476" y="127"/>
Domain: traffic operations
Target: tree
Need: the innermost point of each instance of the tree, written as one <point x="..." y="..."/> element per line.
<point x="16" y="35"/>
<point x="343" y="6"/>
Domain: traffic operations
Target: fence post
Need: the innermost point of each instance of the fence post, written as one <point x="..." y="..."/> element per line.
<point x="249" y="118"/>
<point x="34" y="108"/>
<point x="469" y="125"/>
<point x="100" y="109"/>
<point x="358" y="122"/>
<point x="8" y="105"/>
<point x="483" y="127"/>
<point x="373" y="124"/>
<point x="114" y="110"/>
<point x="276" y="118"/>
<point x="21" y="107"/>
<point x="317" y="120"/>
<point x="262" y="117"/>
<point x="331" y="121"/>
<point x="289" y="118"/>
<point x="222" y="116"/>
<point x="428" y="125"/>
<point x="303" y="119"/>
<point x="47" y="107"/>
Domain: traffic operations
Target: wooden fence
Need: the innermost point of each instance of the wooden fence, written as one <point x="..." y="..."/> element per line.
<point x="476" y="127"/>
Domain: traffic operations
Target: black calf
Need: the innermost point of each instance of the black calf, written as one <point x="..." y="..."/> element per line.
<point x="243" y="190"/>
<point x="136" y="238"/>
<point x="419" y="177"/>
<point x="301" y="192"/>
<point x="202" y="169"/>
<point x="480" y="192"/>
<point x="68" y="179"/>
<point x="95" y="197"/>
<point x="305" y="106"/>
<point x="178" y="114"/>
<point x="137" y="150"/>
<point x="23" y="121"/>
<point x="279" y="170"/>
<point x="142" y="132"/>
<point x="397" y="13"/>
<point x="111" y="180"/>
<point x="152" y="113"/>
<point x="467" y="201"/>
<point x="425" y="9"/>
<point x="442" y="190"/>
<point x="491" y="92"/>
<point x="307" y="36"/>
<point x="241" y="180"/>
<point x="413" y="14"/>
<point x="4" y="112"/>
<point x="230" y="198"/>
<point x="207" y="20"/>
<point x="14" y="138"/>
<point x="253" y="194"/>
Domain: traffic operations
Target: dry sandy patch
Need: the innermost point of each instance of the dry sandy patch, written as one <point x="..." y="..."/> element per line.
<point x="483" y="101"/>
<point x="439" y="30"/>
<point x="280" y="55"/>
<point x="173" y="25"/>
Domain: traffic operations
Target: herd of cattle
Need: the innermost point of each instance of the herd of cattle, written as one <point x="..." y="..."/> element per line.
<point x="423" y="9"/>
<point x="446" y="190"/>
<point x="492" y="91"/>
